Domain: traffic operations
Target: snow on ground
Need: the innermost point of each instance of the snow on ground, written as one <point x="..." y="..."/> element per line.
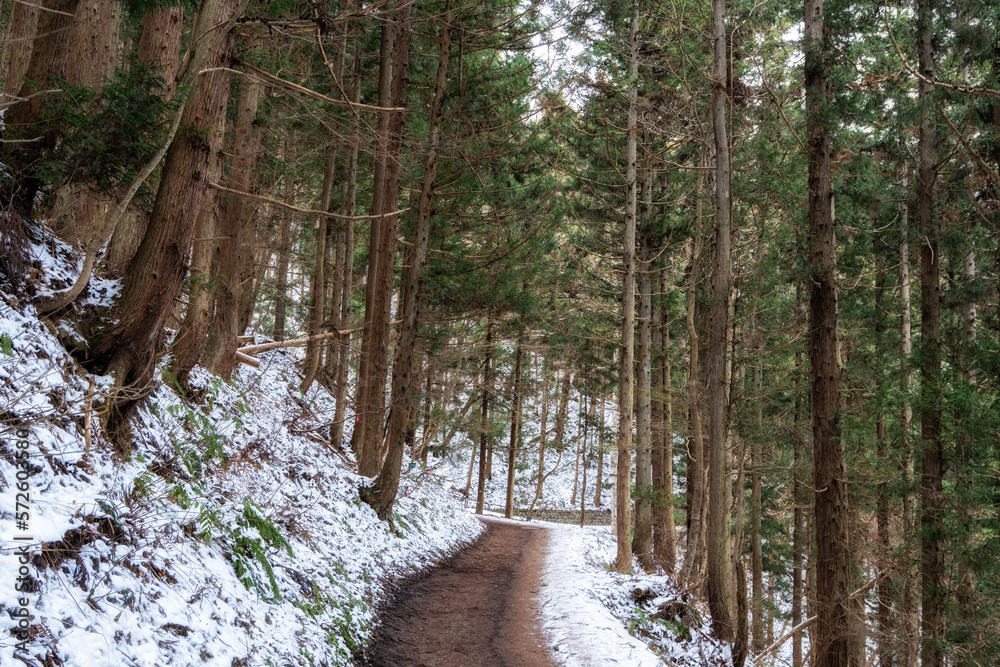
<point x="589" y="611"/>
<point x="231" y="535"/>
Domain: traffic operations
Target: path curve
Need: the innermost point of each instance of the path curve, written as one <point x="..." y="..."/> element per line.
<point x="479" y="608"/>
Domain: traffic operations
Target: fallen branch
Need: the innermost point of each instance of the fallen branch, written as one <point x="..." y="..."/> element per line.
<point x="247" y="359"/>
<point x="809" y="621"/>
<point x="297" y="342"/>
<point x="303" y="211"/>
<point x="785" y="637"/>
<point x="312" y="93"/>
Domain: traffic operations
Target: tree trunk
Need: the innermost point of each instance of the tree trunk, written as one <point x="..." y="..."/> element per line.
<point x="374" y="405"/>
<point x="663" y="463"/>
<point x="832" y="645"/>
<point x="129" y="348"/>
<point x="382" y="493"/>
<point x="365" y="418"/>
<point x="696" y="445"/>
<point x="581" y="426"/>
<point x="515" y="426"/>
<point x="484" y="425"/>
<point x="720" y="586"/>
<point x="220" y="354"/>
<point x="159" y="47"/>
<point x="542" y="437"/>
<point x="756" y="461"/>
<point x="318" y="281"/>
<point x="49" y="54"/>
<point x="347" y="270"/>
<point x="23" y="22"/>
<point x="93" y="48"/>
<point x="908" y="632"/>
<point x="932" y="461"/>
<point x="285" y="240"/>
<point x="642" y="542"/>
<point x="189" y="343"/>
<point x="599" y="478"/>
<point x="623" y="519"/>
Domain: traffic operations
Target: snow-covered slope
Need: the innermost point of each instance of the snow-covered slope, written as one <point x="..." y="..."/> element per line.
<point x="232" y="535"/>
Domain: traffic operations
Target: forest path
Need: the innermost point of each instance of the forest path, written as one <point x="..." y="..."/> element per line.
<point x="476" y="610"/>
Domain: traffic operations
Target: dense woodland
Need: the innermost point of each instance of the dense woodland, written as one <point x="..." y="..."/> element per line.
<point x="766" y="232"/>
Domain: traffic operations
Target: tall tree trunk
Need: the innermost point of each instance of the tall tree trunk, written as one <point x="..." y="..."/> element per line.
<point x="159" y="47"/>
<point x="756" y="461"/>
<point x="365" y="419"/>
<point x="623" y="519"/>
<point x="799" y="532"/>
<point x="49" y="54"/>
<point x="581" y="427"/>
<point x="932" y="459"/>
<point x="285" y="241"/>
<point x="220" y="354"/>
<point x="378" y="348"/>
<point x="599" y="477"/>
<point x="542" y="436"/>
<point x="720" y="586"/>
<point x="382" y="493"/>
<point x="129" y="348"/>
<point x="696" y="445"/>
<point x="93" y="46"/>
<point x="515" y="426"/>
<point x="832" y="635"/>
<point x="663" y="461"/>
<point x="317" y="283"/>
<point x="484" y="424"/>
<point x="908" y="632"/>
<point x="189" y="343"/>
<point x="642" y="542"/>
<point x="347" y="270"/>
<point x="23" y="22"/>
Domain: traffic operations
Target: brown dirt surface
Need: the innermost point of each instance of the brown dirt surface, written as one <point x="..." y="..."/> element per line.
<point x="476" y="610"/>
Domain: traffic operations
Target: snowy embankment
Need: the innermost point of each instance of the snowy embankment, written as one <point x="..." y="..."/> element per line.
<point x="232" y="534"/>
<point x="597" y="618"/>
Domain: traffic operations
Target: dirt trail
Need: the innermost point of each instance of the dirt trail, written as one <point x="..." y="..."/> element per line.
<point x="477" y="610"/>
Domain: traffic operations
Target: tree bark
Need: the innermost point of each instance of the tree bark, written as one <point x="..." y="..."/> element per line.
<point x="317" y="284"/>
<point x="93" y="48"/>
<point x="382" y="493"/>
<point x="23" y="23"/>
<point x="484" y="424"/>
<point x="908" y="624"/>
<point x="599" y="477"/>
<point x="832" y="640"/>
<point x="369" y="414"/>
<point x="189" y="343"/>
<point x="285" y="240"/>
<point x="642" y="542"/>
<point x="129" y="348"/>
<point x="542" y="435"/>
<point x="49" y="54"/>
<point x="663" y="463"/>
<point x="932" y="460"/>
<point x="220" y="353"/>
<point x="159" y="47"/>
<point x="756" y="461"/>
<point x="515" y="426"/>
<point x="696" y="445"/>
<point x="623" y="486"/>
<point x="720" y="585"/>
<point x="347" y="270"/>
